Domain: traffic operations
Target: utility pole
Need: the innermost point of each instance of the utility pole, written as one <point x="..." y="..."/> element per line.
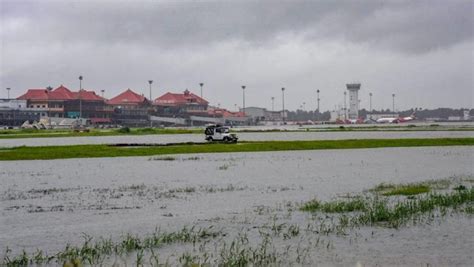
<point x="283" y="103"/>
<point x="273" y="103"/>
<point x="8" y="92"/>
<point x="201" y="84"/>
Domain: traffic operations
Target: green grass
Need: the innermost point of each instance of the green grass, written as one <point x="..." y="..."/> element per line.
<point x="357" y="204"/>
<point x="34" y="133"/>
<point x="380" y="212"/>
<point x="95" y="151"/>
<point x="385" y="210"/>
<point x="93" y="252"/>
<point x="408" y="190"/>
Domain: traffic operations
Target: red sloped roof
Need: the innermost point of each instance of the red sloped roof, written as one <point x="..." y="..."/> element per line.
<point x="36" y="94"/>
<point x="128" y="97"/>
<point x="224" y="113"/>
<point x="180" y="99"/>
<point x="60" y="93"/>
<point x="65" y="92"/>
<point x="87" y="95"/>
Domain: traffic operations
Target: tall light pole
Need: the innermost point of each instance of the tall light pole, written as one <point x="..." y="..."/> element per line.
<point x="273" y="103"/>
<point x="345" y="108"/>
<point x="317" y="114"/>
<point x="243" y="99"/>
<point x="201" y="84"/>
<point x="304" y="106"/>
<point x="283" y="103"/>
<point x="370" y="105"/>
<point x="393" y="103"/>
<point x="80" y="97"/>
<point x="150" y="82"/>
<point x="317" y="92"/>
<point x="102" y="91"/>
<point x="151" y="101"/>
<point x="8" y="92"/>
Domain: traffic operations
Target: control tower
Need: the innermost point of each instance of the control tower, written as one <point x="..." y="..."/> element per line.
<point x="353" y="89"/>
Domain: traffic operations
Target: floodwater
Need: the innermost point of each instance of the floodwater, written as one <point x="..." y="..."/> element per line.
<point x="48" y="204"/>
<point x="263" y="136"/>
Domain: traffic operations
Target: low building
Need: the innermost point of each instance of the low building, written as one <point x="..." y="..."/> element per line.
<point x="130" y="108"/>
<point x="180" y="104"/>
<point x="258" y="115"/>
<point x="64" y="103"/>
<point x="14" y="112"/>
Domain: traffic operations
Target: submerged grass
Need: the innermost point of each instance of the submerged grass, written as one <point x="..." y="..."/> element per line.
<point x="408" y="190"/>
<point x="381" y="212"/>
<point x="93" y="151"/>
<point x="338" y="206"/>
<point x="383" y="209"/>
<point x="95" y="253"/>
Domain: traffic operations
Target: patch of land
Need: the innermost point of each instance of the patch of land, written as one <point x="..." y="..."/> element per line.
<point x="94" y="151"/>
<point x="34" y="133"/>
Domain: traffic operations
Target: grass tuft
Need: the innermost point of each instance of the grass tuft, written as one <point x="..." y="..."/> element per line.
<point x="408" y="190"/>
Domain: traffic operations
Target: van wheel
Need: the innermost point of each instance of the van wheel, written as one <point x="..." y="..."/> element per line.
<point x="209" y="139"/>
<point x="226" y="139"/>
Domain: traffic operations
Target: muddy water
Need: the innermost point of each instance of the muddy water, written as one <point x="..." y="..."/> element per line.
<point x="46" y="204"/>
<point x="268" y="136"/>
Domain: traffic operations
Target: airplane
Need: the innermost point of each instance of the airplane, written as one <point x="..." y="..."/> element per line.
<point x="397" y="120"/>
<point x="349" y="121"/>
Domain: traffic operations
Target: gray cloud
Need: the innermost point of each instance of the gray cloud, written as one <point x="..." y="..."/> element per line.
<point x="413" y="26"/>
<point x="411" y="47"/>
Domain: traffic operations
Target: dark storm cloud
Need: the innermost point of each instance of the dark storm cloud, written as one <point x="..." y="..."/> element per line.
<point x="407" y="26"/>
<point x="404" y="47"/>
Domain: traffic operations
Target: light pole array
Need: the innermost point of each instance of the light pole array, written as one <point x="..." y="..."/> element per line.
<point x="80" y="97"/>
<point x="8" y="92"/>
<point x="283" y="103"/>
<point x="201" y="84"/>
<point x="243" y="99"/>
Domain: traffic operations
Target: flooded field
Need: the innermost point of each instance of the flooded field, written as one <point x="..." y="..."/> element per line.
<point x="265" y="136"/>
<point x="247" y="202"/>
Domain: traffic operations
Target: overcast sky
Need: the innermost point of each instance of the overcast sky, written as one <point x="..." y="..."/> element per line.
<point x="420" y="50"/>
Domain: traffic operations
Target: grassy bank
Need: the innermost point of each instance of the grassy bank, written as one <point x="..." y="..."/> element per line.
<point x="94" y="151"/>
<point x="34" y="133"/>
